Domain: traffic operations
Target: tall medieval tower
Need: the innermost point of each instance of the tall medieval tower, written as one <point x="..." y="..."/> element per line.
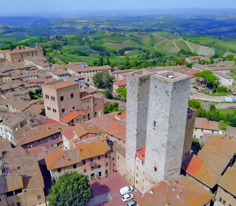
<point x="157" y="107"/>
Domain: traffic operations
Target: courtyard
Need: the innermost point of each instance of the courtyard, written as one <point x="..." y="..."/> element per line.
<point x="106" y="191"/>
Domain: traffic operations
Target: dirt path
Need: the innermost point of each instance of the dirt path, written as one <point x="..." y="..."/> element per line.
<point x="175" y="45"/>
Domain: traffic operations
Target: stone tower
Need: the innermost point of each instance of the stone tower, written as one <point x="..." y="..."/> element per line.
<point x="136" y="120"/>
<point x="166" y="122"/>
<point x="39" y="50"/>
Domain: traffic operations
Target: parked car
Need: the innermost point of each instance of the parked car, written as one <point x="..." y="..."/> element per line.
<point x="196" y="88"/>
<point x="127" y="197"/>
<point x="132" y="203"/>
<point x="126" y="190"/>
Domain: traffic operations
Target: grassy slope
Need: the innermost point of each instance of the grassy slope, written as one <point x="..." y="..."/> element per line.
<point x="182" y="45"/>
<point x="166" y="47"/>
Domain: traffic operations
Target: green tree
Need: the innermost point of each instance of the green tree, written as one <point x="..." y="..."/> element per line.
<point x="194" y="104"/>
<point x="180" y="61"/>
<point x="70" y="190"/>
<point x="108" y="94"/>
<point x="233" y="122"/>
<point x="103" y="79"/>
<point x="122" y="92"/>
<point x="208" y="75"/>
<point x="100" y="61"/>
<point x="113" y="107"/>
<point x="108" y="61"/>
<point x="95" y="62"/>
<point x="212" y="108"/>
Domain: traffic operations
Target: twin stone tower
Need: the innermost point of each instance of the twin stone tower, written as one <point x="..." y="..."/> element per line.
<point x="157" y="118"/>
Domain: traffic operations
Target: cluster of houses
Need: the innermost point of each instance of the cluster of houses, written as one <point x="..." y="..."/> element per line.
<point x="67" y="131"/>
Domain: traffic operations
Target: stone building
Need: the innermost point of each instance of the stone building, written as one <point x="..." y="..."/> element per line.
<point x="21" y="180"/>
<point x="18" y="55"/>
<point x="156" y="119"/>
<point x="61" y="98"/>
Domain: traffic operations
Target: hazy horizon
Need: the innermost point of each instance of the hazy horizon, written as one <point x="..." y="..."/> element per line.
<point x="25" y="7"/>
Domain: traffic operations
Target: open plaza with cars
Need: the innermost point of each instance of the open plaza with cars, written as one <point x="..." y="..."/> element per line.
<point x="106" y="191"/>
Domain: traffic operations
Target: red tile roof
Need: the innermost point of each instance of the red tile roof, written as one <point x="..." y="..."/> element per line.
<point x="202" y="123"/>
<point x="211" y="161"/>
<point x="72" y="115"/>
<point x="141" y="154"/>
<point x="176" y="192"/>
<point x="68" y="133"/>
<point x="195" y="57"/>
<point x="121" y="83"/>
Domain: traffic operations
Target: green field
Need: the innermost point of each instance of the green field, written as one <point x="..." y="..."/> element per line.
<point x="199" y="39"/>
<point x="182" y="45"/>
<point x="226" y="111"/>
<point x="87" y="59"/>
<point x="166" y="47"/>
<point x="222" y="125"/>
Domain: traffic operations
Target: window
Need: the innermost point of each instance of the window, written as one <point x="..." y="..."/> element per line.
<point x="9" y="194"/>
<point x="84" y="162"/>
<point x="195" y="129"/>
<point x="113" y="165"/>
<point x="72" y="95"/>
<point x="85" y="170"/>
<point x="61" y="98"/>
<point x="18" y="191"/>
<point x="18" y="204"/>
<point x="136" y="174"/>
<point x="59" y="170"/>
<point x="223" y="202"/>
<point x="73" y="107"/>
<point x="113" y="158"/>
<point x="202" y="130"/>
<point x="39" y="197"/>
<point x="105" y="155"/>
<point x="52" y="98"/>
<point x="136" y="181"/>
<point x="194" y="135"/>
<point x="106" y="164"/>
<point x="83" y="116"/>
<point x="48" y="108"/>
<point x="91" y="159"/>
<point x="63" y="110"/>
<point x="155" y="169"/>
<point x="54" y="110"/>
<point x="99" y="166"/>
<point x="220" y="200"/>
<point x="47" y="96"/>
<point x="155" y="123"/>
<point x="212" y="131"/>
<point x="99" y="157"/>
<point x="118" y="157"/>
<point x="74" y="166"/>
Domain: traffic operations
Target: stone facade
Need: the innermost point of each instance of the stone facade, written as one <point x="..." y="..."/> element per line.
<point x="224" y="198"/>
<point x="136" y="120"/>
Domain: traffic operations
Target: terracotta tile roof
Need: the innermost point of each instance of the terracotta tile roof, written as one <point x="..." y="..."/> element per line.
<point x="195" y="57"/>
<point x="110" y="125"/>
<point x="5" y="146"/>
<point x="86" y="128"/>
<point x="211" y="161"/>
<point x="14" y="182"/>
<point x="62" y="158"/>
<point x="27" y="166"/>
<point x="68" y="133"/>
<point x="77" y="68"/>
<point x="228" y="180"/>
<point x="177" y="192"/>
<point x="202" y="123"/>
<point x="50" y="143"/>
<point x="39" y="80"/>
<point x="141" y="154"/>
<point x="121" y="83"/>
<point x="72" y="115"/>
<point x="59" y="85"/>
<point x="38" y="133"/>
<point x="92" y="147"/>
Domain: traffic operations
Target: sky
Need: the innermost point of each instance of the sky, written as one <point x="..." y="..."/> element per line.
<point x="10" y="7"/>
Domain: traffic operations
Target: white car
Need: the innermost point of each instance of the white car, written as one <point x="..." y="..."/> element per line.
<point x="126" y="190"/>
<point x="127" y="197"/>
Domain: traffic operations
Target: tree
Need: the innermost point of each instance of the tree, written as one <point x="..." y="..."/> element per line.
<point x="70" y="190"/>
<point x="108" y="94"/>
<point x="108" y="61"/>
<point x="100" y="61"/>
<point x="95" y="62"/>
<point x="194" y="104"/>
<point x="208" y="75"/>
<point x="180" y="61"/>
<point x="212" y="108"/>
<point x="122" y="91"/>
<point x="113" y="107"/>
<point x="103" y="79"/>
